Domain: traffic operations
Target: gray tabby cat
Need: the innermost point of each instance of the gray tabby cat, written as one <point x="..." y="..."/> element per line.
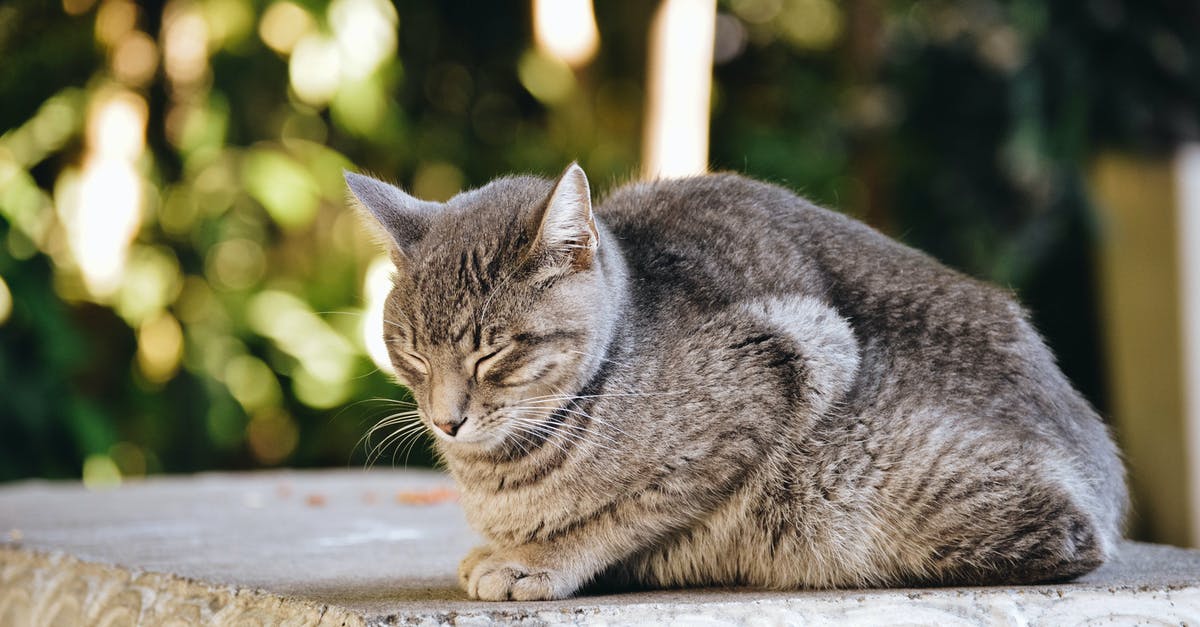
<point x="710" y="381"/>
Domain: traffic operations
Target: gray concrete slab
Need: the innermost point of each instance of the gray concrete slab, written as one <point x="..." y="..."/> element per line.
<point x="348" y="547"/>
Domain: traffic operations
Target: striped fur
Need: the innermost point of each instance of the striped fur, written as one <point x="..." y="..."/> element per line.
<point x="710" y="381"/>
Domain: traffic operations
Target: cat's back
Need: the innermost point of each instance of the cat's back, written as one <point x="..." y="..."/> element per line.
<point x="928" y="335"/>
<point x="728" y="237"/>
<point x="940" y="352"/>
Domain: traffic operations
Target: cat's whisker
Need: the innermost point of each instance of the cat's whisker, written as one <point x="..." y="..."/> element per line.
<point x="382" y="424"/>
<point x="397" y="438"/>
<point x="392" y="419"/>
<point x="579" y="411"/>
<point x="549" y="413"/>
<point x="571" y="432"/>
<point x="588" y="415"/>
<point x="394" y="324"/>
<point x="577" y="439"/>
<point x="520" y="427"/>
<point x="520" y="441"/>
<point x="411" y="440"/>
<point x="546" y="432"/>
<point x="555" y="397"/>
<point x="404" y="429"/>
<point x="600" y="357"/>
<point x="544" y="415"/>
<point x="383" y="401"/>
<point x="340" y="313"/>
<point x="389" y="401"/>
<point x="378" y="450"/>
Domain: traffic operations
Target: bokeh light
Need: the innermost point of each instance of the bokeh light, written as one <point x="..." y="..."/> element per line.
<point x="160" y="348"/>
<point x="184" y="287"/>
<point x="680" y="86"/>
<point x="102" y="211"/>
<point x="566" y="30"/>
<point x="376" y="286"/>
<point x="283" y="24"/>
<point x="6" y="303"/>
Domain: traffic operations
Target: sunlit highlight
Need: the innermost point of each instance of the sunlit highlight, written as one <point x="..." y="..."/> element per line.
<point x="272" y="436"/>
<point x="77" y="7"/>
<point x="283" y="24"/>
<point x="252" y="383"/>
<point x="679" y="89"/>
<point x="160" y="347"/>
<point x="315" y="69"/>
<point x="100" y="472"/>
<point x="376" y="285"/>
<point x="102" y="216"/>
<point x="550" y="80"/>
<point x="811" y="24"/>
<point x="114" y="20"/>
<point x="325" y="357"/>
<point x="363" y="38"/>
<point x="566" y="30"/>
<point x="5" y="302"/>
<point x="185" y="47"/>
<point x="151" y="282"/>
<point x="366" y="34"/>
<point x="135" y="59"/>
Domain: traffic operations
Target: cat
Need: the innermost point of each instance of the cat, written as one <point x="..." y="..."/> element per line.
<point x="710" y="381"/>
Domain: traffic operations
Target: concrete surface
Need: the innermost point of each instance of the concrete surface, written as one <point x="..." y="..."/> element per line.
<point x="381" y="548"/>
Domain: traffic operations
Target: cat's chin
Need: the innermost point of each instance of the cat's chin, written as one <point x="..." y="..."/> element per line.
<point x="470" y="442"/>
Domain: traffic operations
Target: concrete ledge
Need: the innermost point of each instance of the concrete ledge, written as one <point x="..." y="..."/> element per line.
<point x="380" y="548"/>
<point x="55" y="589"/>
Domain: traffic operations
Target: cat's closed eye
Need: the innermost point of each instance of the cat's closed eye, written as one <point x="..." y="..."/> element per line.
<point x="520" y="369"/>
<point x="416" y="361"/>
<point x="412" y="362"/>
<point x="483" y="364"/>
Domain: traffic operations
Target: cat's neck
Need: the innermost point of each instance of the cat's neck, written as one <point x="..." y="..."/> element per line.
<point x="613" y="297"/>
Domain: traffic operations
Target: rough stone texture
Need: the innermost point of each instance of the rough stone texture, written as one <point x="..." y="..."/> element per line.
<point x="338" y="548"/>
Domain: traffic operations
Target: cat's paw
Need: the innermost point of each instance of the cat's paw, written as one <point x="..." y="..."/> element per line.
<point x="468" y="564"/>
<point x="497" y="578"/>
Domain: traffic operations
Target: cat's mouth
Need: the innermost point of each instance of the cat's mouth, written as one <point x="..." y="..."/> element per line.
<point x="476" y="432"/>
<point x="502" y="427"/>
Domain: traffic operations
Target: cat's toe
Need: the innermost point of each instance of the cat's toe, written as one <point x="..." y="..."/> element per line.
<point x="495" y="584"/>
<point x="534" y="587"/>
<point x="468" y="564"/>
<point x="496" y="580"/>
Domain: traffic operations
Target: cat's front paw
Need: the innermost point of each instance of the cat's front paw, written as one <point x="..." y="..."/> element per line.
<point x="468" y="564"/>
<point x="500" y="578"/>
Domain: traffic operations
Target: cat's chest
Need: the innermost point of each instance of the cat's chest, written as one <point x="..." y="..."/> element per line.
<point x="511" y="516"/>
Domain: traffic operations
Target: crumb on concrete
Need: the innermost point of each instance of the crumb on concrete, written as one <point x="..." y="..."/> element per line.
<point x="432" y="496"/>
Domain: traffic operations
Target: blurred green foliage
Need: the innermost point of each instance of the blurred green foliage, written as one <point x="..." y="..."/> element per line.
<point x="231" y="336"/>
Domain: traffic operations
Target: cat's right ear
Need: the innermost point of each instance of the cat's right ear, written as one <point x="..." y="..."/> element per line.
<point x="403" y="217"/>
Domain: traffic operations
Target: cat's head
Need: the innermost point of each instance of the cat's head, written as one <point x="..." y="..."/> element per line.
<point x="501" y="302"/>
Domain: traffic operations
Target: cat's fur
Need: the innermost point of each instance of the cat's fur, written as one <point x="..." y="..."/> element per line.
<point x="710" y="381"/>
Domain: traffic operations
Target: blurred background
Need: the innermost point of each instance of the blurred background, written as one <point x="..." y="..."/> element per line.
<point x="183" y="288"/>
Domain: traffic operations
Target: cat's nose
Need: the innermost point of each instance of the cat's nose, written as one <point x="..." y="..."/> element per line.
<point x="450" y="427"/>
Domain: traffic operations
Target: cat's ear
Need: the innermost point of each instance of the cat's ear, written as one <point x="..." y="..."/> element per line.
<point x="567" y="238"/>
<point x="404" y="218"/>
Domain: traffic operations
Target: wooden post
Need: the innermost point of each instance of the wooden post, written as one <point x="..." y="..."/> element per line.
<point x="1187" y="177"/>
<point x="1150" y="285"/>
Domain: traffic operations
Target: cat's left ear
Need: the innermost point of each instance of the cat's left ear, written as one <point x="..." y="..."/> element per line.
<point x="567" y="238"/>
<point x="405" y="218"/>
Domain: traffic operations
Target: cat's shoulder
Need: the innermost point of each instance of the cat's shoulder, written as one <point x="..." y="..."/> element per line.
<point x="717" y="189"/>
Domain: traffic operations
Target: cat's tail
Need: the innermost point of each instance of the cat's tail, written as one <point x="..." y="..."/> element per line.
<point x="824" y="340"/>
